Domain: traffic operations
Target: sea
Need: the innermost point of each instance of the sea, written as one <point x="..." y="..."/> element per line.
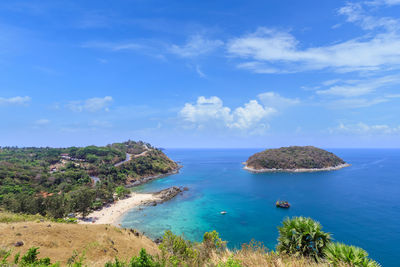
<point x="358" y="205"/>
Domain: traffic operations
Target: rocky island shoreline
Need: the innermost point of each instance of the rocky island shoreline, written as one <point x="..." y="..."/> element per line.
<point x="338" y="167"/>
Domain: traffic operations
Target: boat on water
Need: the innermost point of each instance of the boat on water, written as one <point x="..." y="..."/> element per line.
<point x="223" y="212"/>
<point x="282" y="204"/>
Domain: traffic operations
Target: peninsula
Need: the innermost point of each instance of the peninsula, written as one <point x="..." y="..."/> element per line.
<point x="57" y="182"/>
<point x="294" y="159"/>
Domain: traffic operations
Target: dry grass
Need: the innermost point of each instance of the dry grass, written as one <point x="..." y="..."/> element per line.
<point x="9" y="217"/>
<point x="255" y="254"/>
<point x="99" y="243"/>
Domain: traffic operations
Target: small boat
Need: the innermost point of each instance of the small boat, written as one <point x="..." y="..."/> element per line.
<point x="282" y="204"/>
<point x="223" y="212"/>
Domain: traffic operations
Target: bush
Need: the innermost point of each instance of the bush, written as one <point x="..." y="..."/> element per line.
<point x="175" y="250"/>
<point x="143" y="260"/>
<point x="31" y="259"/>
<point x="212" y="241"/>
<point x="301" y="236"/>
<point x="230" y="263"/>
<point x="338" y="253"/>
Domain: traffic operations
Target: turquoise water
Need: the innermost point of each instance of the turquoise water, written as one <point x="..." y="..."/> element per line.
<point x="359" y="205"/>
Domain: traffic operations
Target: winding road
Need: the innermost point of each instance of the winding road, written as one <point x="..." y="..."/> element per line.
<point x="128" y="158"/>
<point x="96" y="179"/>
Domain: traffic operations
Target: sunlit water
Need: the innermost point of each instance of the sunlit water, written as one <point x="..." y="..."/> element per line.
<point x="359" y="205"/>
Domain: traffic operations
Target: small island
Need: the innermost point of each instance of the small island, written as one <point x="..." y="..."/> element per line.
<point x="294" y="159"/>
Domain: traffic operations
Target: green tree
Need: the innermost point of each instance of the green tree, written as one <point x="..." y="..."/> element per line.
<point x="56" y="206"/>
<point x="302" y="236"/>
<point x="121" y="191"/>
<point x="82" y="200"/>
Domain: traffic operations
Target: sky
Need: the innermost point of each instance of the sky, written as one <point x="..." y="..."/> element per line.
<point x="200" y="74"/>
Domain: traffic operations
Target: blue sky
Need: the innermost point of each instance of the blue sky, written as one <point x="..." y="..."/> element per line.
<point x="200" y="73"/>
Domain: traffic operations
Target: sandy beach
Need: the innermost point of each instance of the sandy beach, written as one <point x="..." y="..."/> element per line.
<point x="112" y="213"/>
<point x="297" y="170"/>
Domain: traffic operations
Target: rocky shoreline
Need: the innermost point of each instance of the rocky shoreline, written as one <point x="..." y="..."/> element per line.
<point x="164" y="195"/>
<point x="147" y="179"/>
<point x="333" y="168"/>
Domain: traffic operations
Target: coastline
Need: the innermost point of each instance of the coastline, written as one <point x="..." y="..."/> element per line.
<point x="112" y="213"/>
<point x="338" y="167"/>
<point x="147" y="179"/>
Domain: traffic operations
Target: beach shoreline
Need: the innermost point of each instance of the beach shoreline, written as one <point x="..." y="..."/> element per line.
<point x="338" y="167"/>
<point x="112" y="213"/>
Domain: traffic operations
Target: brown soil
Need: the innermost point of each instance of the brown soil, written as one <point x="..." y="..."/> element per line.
<point x="99" y="243"/>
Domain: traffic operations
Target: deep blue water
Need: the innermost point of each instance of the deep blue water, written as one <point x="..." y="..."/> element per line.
<point x="359" y="205"/>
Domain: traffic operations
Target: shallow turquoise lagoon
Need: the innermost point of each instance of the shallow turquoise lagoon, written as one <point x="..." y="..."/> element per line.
<point x="359" y="205"/>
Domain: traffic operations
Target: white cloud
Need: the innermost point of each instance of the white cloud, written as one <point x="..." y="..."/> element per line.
<point x="356" y="102"/>
<point x="42" y="122"/>
<point x="113" y="46"/>
<point x="354" y="88"/>
<point x="365" y="129"/>
<point x="272" y="99"/>
<point x="17" y="100"/>
<point x="355" y="13"/>
<point x="272" y="51"/>
<point x="92" y="104"/>
<point x="195" y="46"/>
<point x="250" y="115"/>
<point x="207" y="111"/>
<point x="200" y="72"/>
<point x="100" y="124"/>
<point x="384" y="2"/>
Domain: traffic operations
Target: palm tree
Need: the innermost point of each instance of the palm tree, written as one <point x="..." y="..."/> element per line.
<point x="338" y="253"/>
<point x="302" y="236"/>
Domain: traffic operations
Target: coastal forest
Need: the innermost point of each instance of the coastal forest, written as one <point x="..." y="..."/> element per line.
<point x="58" y="181"/>
<point x="294" y="157"/>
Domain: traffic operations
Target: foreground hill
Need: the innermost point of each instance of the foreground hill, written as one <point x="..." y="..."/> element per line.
<point x="32" y="240"/>
<point x="58" y="241"/>
<point x="294" y="158"/>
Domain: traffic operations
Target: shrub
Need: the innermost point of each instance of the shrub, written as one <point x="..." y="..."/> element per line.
<point x="31" y="259"/>
<point x="175" y="250"/>
<point x="143" y="260"/>
<point x="230" y="263"/>
<point x="301" y="236"/>
<point x="211" y="241"/>
<point x="338" y="253"/>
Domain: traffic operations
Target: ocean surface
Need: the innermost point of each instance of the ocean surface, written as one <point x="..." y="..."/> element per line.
<point x="358" y="205"/>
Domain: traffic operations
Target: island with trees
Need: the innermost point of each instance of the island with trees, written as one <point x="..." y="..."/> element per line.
<point x="294" y="159"/>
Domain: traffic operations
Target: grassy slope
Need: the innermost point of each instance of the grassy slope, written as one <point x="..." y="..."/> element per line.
<point x="100" y="243"/>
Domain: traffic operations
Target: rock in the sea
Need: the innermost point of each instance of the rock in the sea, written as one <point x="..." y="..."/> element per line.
<point x="168" y="193"/>
<point x="164" y="195"/>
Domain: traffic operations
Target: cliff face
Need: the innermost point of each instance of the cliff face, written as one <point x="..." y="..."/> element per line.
<point x="294" y="157"/>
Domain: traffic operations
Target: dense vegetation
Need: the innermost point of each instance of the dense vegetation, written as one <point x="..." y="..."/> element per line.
<point x="294" y="157"/>
<point x="301" y="243"/>
<point x="56" y="181"/>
